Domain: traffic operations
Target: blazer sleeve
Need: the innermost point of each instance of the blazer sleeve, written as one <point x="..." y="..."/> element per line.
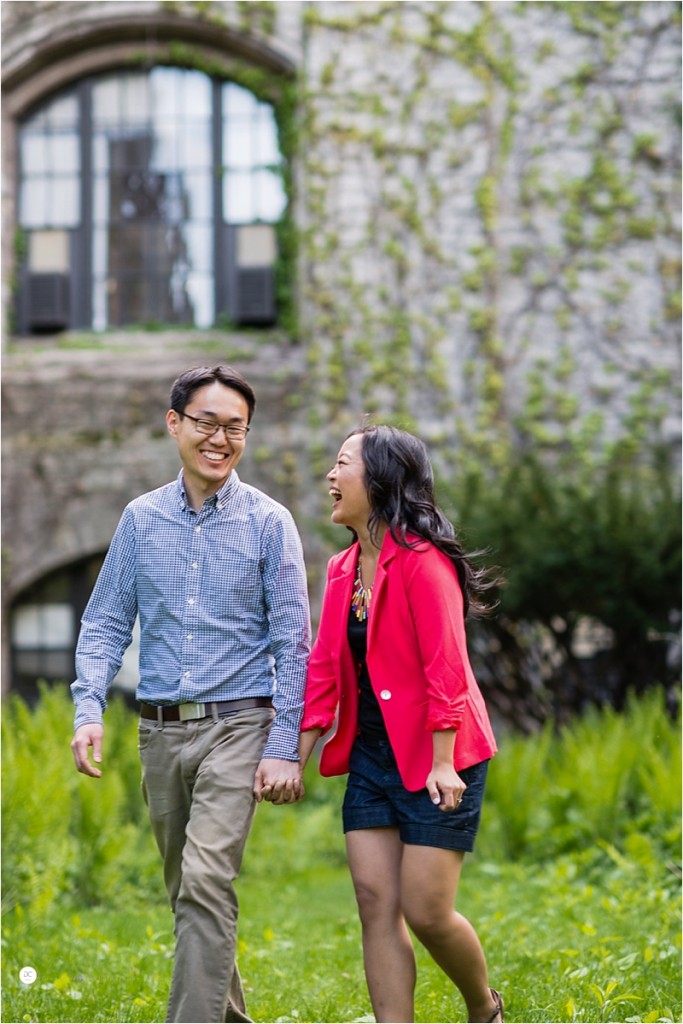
<point x="322" y="679"/>
<point x="436" y="603"/>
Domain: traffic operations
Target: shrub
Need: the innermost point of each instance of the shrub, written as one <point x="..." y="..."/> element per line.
<point x="606" y="780"/>
<point x="592" y="558"/>
<point x="63" y="832"/>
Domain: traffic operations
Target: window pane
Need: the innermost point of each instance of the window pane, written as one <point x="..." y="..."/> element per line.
<point x="63" y="112"/>
<point x="200" y="291"/>
<point x="46" y="626"/>
<point x="196" y="97"/>
<point x="237" y="101"/>
<point x="165" y="149"/>
<point x="270" y="191"/>
<point x="48" y="252"/>
<point x="33" y="153"/>
<point x="45" y="664"/>
<point x="100" y="153"/>
<point x="199" y="241"/>
<point x="194" y="146"/>
<point x="238" y="146"/>
<point x="100" y="211"/>
<point x="105" y="102"/>
<point x="99" y="252"/>
<point x="64" y="198"/>
<point x="64" y="155"/>
<point x="174" y="205"/>
<point x="135" y="99"/>
<point x="33" y="207"/>
<point x="238" y="202"/>
<point x="200" y="196"/>
<point x="165" y="88"/>
<point x="266" y="139"/>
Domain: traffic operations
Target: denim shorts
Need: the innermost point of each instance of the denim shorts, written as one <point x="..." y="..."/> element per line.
<point x="376" y="798"/>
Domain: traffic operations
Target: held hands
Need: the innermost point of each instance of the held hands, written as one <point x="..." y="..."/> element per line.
<point x="278" y="782"/>
<point x="86" y="736"/>
<point x="445" y="787"/>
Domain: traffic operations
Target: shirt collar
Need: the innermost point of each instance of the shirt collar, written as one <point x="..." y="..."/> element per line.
<point x="220" y="498"/>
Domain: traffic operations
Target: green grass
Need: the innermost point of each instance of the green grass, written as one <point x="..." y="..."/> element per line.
<point x="565" y="941"/>
<point x="578" y="909"/>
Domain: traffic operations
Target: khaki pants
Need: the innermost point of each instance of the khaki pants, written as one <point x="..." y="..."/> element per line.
<point x="197" y="780"/>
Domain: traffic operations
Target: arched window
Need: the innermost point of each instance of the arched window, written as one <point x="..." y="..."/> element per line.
<point x="148" y="197"/>
<point x="44" y="624"/>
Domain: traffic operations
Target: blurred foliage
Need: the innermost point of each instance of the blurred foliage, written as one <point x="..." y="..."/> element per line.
<point x="64" y="833"/>
<point x="609" y="778"/>
<point x="591" y="555"/>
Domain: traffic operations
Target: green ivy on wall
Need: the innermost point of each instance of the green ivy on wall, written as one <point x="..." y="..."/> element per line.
<point x="374" y="343"/>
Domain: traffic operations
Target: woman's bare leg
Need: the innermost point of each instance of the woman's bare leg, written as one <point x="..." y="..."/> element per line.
<point x="429" y="883"/>
<point x="375" y="861"/>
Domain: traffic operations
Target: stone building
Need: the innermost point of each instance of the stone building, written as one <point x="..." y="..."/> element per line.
<point x="461" y="216"/>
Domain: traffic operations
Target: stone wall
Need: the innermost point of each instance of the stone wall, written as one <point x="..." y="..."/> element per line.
<point x="492" y="195"/>
<point x="84" y="433"/>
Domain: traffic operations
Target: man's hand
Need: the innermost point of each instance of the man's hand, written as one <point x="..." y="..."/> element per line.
<point x="278" y="781"/>
<point x="86" y="736"/>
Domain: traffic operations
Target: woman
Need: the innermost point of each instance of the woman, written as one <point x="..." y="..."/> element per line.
<point x="413" y="732"/>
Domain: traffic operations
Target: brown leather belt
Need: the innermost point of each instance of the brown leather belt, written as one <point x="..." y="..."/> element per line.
<point x="192" y="712"/>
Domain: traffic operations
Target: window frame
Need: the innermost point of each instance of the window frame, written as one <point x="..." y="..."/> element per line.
<point x="230" y="281"/>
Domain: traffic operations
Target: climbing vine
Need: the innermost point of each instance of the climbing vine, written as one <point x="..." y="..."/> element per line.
<point x="474" y="248"/>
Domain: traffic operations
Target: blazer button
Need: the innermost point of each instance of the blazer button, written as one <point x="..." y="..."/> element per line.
<point x="385" y="694"/>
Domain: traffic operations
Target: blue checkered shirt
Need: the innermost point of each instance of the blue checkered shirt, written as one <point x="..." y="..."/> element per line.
<point x="223" y="605"/>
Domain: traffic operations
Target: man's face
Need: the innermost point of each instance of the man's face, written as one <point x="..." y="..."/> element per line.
<point x="208" y="460"/>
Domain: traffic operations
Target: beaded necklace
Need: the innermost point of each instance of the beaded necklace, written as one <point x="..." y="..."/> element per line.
<point x="360" y="599"/>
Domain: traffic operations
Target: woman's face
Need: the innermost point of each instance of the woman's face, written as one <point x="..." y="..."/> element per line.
<point x="351" y="506"/>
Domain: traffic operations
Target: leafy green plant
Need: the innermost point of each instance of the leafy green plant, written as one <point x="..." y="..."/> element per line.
<point x="591" y="552"/>
<point x="605" y="777"/>
<point x="62" y="832"/>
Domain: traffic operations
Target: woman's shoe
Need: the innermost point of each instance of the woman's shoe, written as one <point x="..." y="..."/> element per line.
<point x="499" y="1006"/>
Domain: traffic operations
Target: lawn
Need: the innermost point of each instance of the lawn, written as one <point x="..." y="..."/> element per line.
<point x="575" y="939"/>
<point x="578" y="911"/>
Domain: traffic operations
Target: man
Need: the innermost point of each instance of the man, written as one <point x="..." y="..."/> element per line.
<point x="214" y="569"/>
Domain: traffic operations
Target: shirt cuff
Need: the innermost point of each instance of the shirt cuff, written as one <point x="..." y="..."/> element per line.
<point x="282" y="745"/>
<point x="86" y="714"/>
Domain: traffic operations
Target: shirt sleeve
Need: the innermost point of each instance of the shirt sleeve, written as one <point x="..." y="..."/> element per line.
<point x="107" y="625"/>
<point x="436" y="601"/>
<point x="289" y="628"/>
<point x="322" y="693"/>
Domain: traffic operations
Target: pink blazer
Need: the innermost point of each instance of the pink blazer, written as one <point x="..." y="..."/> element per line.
<point x="417" y="660"/>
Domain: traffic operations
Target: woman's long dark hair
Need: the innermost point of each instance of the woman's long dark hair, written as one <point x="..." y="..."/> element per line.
<point x="400" y="486"/>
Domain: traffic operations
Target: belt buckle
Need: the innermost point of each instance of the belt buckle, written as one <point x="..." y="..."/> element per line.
<point x="188" y="712"/>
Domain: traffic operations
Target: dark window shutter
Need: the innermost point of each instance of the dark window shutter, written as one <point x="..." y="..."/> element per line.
<point x="47" y="301"/>
<point x="255" y="295"/>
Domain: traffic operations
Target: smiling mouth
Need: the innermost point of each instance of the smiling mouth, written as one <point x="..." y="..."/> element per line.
<point x="215" y="457"/>
<point x="335" y="494"/>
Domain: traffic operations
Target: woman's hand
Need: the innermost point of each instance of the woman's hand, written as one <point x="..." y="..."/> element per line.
<point x="445" y="787"/>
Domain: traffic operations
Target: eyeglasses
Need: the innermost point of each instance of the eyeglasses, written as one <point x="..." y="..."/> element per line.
<point x="233" y="431"/>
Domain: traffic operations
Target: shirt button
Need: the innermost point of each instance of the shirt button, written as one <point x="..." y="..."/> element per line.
<point x="190" y="600"/>
<point x="194" y="565"/>
<point x="187" y="675"/>
<point x="189" y="636"/>
<point x="197" y="529"/>
<point x="385" y="694"/>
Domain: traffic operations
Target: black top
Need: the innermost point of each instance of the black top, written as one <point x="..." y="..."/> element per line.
<point x="370" y="719"/>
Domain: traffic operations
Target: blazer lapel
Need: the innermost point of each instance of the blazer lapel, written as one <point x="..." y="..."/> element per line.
<point x="340" y="588"/>
<point x="387" y="554"/>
